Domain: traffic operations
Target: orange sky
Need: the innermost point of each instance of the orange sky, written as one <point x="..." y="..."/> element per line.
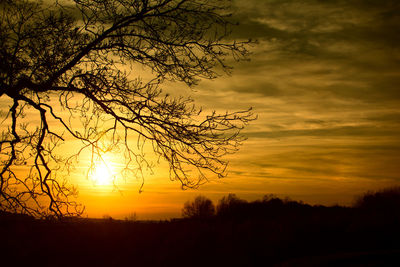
<point x="323" y="80"/>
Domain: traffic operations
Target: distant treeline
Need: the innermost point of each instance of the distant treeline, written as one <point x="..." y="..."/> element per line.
<point x="386" y="201"/>
<point x="266" y="232"/>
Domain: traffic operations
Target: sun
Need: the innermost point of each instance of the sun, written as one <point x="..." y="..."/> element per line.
<point x="102" y="174"/>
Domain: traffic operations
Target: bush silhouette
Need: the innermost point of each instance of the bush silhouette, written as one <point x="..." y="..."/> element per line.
<point x="201" y="207"/>
<point x="384" y="200"/>
<point x="230" y="206"/>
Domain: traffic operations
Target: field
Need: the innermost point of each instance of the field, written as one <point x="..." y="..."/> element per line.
<point x="272" y="232"/>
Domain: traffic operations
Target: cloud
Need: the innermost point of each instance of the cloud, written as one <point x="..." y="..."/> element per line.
<point x="343" y="131"/>
<point x="352" y="45"/>
<point x="324" y="81"/>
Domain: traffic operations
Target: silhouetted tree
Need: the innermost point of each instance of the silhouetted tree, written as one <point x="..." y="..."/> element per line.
<point x="386" y="201"/>
<point x="201" y="207"/>
<point x="132" y="217"/>
<point x="231" y="205"/>
<point x="70" y="70"/>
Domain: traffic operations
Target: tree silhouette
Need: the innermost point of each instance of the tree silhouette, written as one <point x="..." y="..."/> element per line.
<point x="385" y="200"/>
<point x="71" y="70"/>
<point x="231" y="205"/>
<point x="200" y="208"/>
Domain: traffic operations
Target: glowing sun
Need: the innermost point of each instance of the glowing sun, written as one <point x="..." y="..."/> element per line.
<point x="102" y="174"/>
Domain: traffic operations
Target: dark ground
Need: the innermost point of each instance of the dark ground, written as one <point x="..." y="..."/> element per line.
<point x="269" y="233"/>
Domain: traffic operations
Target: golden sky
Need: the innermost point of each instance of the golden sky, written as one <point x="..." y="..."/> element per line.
<point x="324" y="81"/>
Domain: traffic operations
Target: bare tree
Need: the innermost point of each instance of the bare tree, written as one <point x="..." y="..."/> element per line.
<point x="200" y="207"/>
<point x="70" y="70"/>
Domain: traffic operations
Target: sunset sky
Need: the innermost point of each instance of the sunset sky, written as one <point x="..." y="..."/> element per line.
<point x="324" y="81"/>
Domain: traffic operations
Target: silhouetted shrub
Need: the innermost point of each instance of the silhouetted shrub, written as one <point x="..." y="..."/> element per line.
<point x="384" y="200"/>
<point x="131" y="217"/>
<point x="268" y="208"/>
<point x="231" y="206"/>
<point x="201" y="207"/>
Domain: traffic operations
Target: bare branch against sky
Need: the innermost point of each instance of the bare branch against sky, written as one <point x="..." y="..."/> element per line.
<point x="72" y="67"/>
<point x="323" y="80"/>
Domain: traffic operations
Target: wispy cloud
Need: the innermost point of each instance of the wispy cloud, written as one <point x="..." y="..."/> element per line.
<point x="324" y="80"/>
